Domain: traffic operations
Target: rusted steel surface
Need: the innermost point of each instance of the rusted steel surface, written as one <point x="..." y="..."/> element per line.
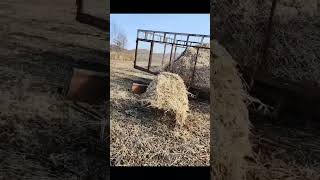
<point x="138" y="88"/>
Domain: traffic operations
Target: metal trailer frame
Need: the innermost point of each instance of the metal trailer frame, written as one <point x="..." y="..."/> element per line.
<point x="89" y="19"/>
<point x="150" y="36"/>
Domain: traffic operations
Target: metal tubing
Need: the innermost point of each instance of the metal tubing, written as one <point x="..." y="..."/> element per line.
<point x="186" y="34"/>
<point x="164" y="53"/>
<point x="174" y="43"/>
<point x="174" y="54"/>
<point x="136" y="53"/>
<point x="150" y="55"/>
<point x="170" y="63"/>
<point x="165" y="47"/>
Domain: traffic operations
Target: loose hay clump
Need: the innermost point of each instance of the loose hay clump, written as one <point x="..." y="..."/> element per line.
<point x="168" y="92"/>
<point x="231" y="117"/>
<point x="184" y="66"/>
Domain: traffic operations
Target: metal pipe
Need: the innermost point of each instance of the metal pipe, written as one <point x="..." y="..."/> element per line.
<point x="197" y="35"/>
<point x="174" y="54"/>
<point x="136" y="53"/>
<point x="174" y="43"/>
<point x="164" y="53"/>
<point x="170" y="63"/>
<point x="150" y="55"/>
<point x="187" y="40"/>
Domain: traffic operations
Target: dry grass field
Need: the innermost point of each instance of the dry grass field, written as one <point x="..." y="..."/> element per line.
<point x="141" y="136"/>
<point x="42" y="135"/>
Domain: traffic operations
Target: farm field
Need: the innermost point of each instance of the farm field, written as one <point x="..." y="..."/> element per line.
<point x="144" y="136"/>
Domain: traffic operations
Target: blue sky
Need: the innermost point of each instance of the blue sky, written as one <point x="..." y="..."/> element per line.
<point x="184" y="23"/>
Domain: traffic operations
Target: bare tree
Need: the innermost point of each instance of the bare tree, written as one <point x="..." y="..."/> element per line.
<point x="118" y="36"/>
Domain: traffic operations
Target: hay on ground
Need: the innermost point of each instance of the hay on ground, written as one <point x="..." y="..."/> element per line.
<point x="231" y="117"/>
<point x="270" y="158"/>
<point x="141" y="136"/>
<point x="184" y="66"/>
<point x="168" y="92"/>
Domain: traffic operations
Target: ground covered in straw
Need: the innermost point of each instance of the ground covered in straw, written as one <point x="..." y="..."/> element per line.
<point x="283" y="152"/>
<point x="42" y="137"/>
<point x="146" y="137"/>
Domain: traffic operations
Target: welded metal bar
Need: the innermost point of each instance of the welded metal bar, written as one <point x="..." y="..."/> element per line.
<point x="146" y="70"/>
<point x="138" y="33"/>
<point x="197" y="35"/>
<point x="187" y="40"/>
<point x="173" y="43"/>
<point x="174" y="54"/>
<point x="194" y="68"/>
<point x="164" y="53"/>
<point x="170" y="63"/>
<point x="150" y="55"/>
<point x="202" y="41"/>
<point x="136" y="53"/>
<point x="183" y="41"/>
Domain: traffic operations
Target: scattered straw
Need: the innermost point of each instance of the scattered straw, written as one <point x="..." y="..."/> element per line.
<point x="277" y="156"/>
<point x="142" y="136"/>
<point x="41" y="136"/>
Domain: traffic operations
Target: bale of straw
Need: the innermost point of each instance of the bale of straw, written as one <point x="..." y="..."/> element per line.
<point x="184" y="66"/>
<point x="168" y="92"/>
<point x="231" y="119"/>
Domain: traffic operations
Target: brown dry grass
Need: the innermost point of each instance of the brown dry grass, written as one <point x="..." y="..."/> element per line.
<point x="142" y="136"/>
<point x="41" y="136"/>
<point x="122" y="56"/>
<point x="282" y="152"/>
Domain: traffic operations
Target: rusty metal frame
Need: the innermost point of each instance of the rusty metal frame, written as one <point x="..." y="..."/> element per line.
<point x="174" y="42"/>
<point x="90" y="20"/>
